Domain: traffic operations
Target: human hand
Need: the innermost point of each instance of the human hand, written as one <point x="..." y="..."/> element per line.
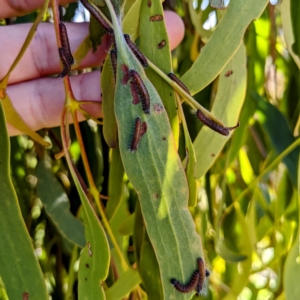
<point x="30" y="89"/>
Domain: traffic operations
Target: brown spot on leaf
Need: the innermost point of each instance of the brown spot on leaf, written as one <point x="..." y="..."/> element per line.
<point x="126" y="73"/>
<point x="158" y="108"/>
<point x="87" y="265"/>
<point x="161" y="44"/>
<point x="89" y="249"/>
<point x="25" y="296"/>
<point x="156" y="18"/>
<point x="228" y="73"/>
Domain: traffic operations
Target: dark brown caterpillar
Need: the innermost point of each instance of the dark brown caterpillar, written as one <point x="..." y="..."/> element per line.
<point x="161" y="44"/>
<point x="189" y="286"/>
<point x="135" y="50"/>
<point x="66" y="65"/>
<point x="179" y="82"/>
<point x="140" y="129"/>
<point x="97" y="16"/>
<point x="141" y="89"/>
<point x="156" y="18"/>
<point x="203" y="273"/>
<point x="65" y="43"/>
<point x="113" y="58"/>
<point x="214" y="125"/>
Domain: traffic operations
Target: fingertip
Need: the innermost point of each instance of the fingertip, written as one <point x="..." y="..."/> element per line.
<point x="175" y="28"/>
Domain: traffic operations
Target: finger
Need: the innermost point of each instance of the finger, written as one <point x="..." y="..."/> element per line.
<point x="42" y="59"/>
<point x="175" y="28"/>
<point x="40" y="102"/>
<point x="14" y="8"/>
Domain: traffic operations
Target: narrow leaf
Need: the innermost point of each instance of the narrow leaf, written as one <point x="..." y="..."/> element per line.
<point x="157" y="175"/>
<point x="95" y="257"/>
<point x="228" y="36"/>
<point x="19" y="268"/>
<point x="227" y="106"/>
<point x="123" y="285"/>
<point x="57" y="204"/>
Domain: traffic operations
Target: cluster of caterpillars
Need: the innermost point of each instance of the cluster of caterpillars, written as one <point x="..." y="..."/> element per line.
<point x="196" y="281"/>
<point x="138" y="88"/>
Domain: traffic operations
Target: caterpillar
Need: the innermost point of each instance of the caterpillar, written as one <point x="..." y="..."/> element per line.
<point x="135" y="50"/>
<point x="65" y="43"/>
<point x="140" y="129"/>
<point x="179" y="82"/>
<point x="66" y="65"/>
<point x="141" y="89"/>
<point x="214" y="125"/>
<point x="189" y="286"/>
<point x="97" y="16"/>
<point x="113" y="58"/>
<point x="203" y="273"/>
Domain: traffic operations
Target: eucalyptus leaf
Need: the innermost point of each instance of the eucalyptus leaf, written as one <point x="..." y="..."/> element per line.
<point x="223" y="43"/>
<point x="19" y="268"/>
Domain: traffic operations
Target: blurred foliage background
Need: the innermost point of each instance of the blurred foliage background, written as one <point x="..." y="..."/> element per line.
<point x="250" y="232"/>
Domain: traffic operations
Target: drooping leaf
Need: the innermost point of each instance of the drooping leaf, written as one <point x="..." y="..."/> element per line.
<point x="95" y="256"/>
<point x="279" y="133"/>
<point x="57" y="204"/>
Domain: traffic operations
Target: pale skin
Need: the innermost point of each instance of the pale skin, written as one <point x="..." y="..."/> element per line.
<point x="38" y="98"/>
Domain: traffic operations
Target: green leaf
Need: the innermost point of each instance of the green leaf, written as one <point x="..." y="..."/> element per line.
<point x="57" y="204"/>
<point x="19" y="267"/>
<point x="125" y="283"/>
<point x="291" y="273"/>
<point x="156" y="172"/>
<point x="127" y="225"/>
<point x="228" y="254"/>
<point x="285" y="9"/>
<point x="156" y="31"/>
<point x="228" y="36"/>
<point x="130" y="24"/>
<point x="277" y="130"/>
<point x="95" y="256"/>
<point x="240" y="281"/>
<point x="110" y="130"/>
<point x="146" y="260"/>
<point x="295" y="11"/>
<point x="227" y="105"/>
